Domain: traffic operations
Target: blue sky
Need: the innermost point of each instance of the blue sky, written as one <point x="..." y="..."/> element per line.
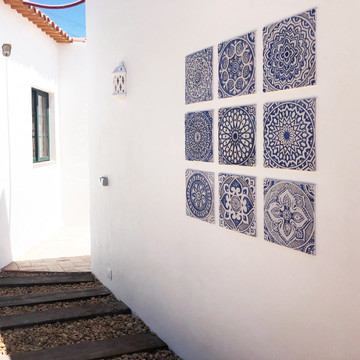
<point x="71" y="20"/>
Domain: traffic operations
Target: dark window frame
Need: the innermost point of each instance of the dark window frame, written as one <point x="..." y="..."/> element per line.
<point x="37" y="131"/>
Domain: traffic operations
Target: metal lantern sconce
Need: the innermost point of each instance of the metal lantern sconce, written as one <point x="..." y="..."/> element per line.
<point x="120" y="81"/>
<point x="6" y="50"/>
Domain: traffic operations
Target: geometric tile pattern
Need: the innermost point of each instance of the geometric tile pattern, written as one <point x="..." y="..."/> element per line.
<point x="289" y="135"/>
<point x="237" y="203"/>
<point x="198" y="76"/>
<point x="289" y="214"/>
<point x="198" y="136"/>
<point x="200" y="195"/>
<point x="237" y="128"/>
<point x="237" y="66"/>
<point x="289" y="52"/>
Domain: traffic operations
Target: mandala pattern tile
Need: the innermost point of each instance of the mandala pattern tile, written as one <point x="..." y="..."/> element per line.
<point x="289" y="214"/>
<point x="289" y="135"/>
<point x="237" y="66"/>
<point x="237" y="127"/>
<point x="198" y="76"/>
<point x="200" y="195"/>
<point x="237" y="203"/>
<point x="199" y="136"/>
<point x="289" y="53"/>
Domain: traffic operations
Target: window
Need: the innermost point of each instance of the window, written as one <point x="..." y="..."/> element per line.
<point x="40" y="126"/>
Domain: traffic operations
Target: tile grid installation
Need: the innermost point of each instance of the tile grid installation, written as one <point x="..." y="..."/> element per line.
<point x="288" y="54"/>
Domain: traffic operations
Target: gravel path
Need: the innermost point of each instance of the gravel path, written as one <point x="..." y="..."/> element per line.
<point x="6" y="273"/>
<point x="12" y="291"/>
<point x="25" y="290"/>
<point x="70" y="332"/>
<point x="4" y="311"/>
<point x="158" y="355"/>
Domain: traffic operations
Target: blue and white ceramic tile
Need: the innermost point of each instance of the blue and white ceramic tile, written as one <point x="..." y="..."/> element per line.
<point x="289" y="135"/>
<point x="290" y="214"/>
<point x="200" y="195"/>
<point x="198" y="76"/>
<point x="199" y="136"/>
<point x="237" y="66"/>
<point x="237" y="203"/>
<point x="289" y="52"/>
<point x="237" y="128"/>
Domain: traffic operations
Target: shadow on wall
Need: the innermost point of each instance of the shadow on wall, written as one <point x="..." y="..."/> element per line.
<point x="5" y="246"/>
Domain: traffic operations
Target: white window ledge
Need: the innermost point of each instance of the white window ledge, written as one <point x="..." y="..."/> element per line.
<point x="43" y="163"/>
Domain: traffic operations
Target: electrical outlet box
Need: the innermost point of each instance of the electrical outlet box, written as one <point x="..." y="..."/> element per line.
<point x="109" y="273"/>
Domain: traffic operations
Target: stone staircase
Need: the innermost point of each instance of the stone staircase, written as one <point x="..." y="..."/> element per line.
<point x="69" y="316"/>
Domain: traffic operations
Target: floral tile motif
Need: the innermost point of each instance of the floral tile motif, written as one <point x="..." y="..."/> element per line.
<point x="198" y="76"/>
<point x="237" y="128"/>
<point x="237" y="203"/>
<point x="199" y="136"/>
<point x="289" y="135"/>
<point x="237" y="66"/>
<point x="200" y="195"/>
<point x="289" y="214"/>
<point x="289" y="52"/>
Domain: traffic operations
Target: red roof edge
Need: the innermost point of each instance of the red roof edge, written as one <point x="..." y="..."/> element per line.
<point x="40" y="20"/>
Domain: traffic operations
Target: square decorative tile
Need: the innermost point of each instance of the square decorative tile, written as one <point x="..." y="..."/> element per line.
<point x="198" y="76"/>
<point x="289" y="135"/>
<point x="237" y="203"/>
<point x="199" y="136"/>
<point x="200" y="195"/>
<point x="290" y="214"/>
<point x="237" y="128"/>
<point x="289" y="52"/>
<point x="237" y="66"/>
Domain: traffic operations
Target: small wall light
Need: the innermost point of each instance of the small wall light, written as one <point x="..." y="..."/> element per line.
<point x="120" y="81"/>
<point x="6" y="50"/>
<point x="104" y="181"/>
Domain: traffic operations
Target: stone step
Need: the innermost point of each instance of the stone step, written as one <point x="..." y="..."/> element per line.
<point x="66" y="278"/>
<point x="62" y="314"/>
<point x="49" y="297"/>
<point x="92" y="350"/>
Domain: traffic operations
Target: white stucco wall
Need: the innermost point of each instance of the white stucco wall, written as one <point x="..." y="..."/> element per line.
<point x="74" y="134"/>
<point x="5" y="247"/>
<point x="35" y="199"/>
<point x="209" y="292"/>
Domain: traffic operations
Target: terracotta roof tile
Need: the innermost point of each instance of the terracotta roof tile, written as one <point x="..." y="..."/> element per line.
<point x="40" y="20"/>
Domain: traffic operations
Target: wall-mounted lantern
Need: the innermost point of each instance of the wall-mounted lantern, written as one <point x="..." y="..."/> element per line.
<point x="120" y="81"/>
<point x="6" y="50"/>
